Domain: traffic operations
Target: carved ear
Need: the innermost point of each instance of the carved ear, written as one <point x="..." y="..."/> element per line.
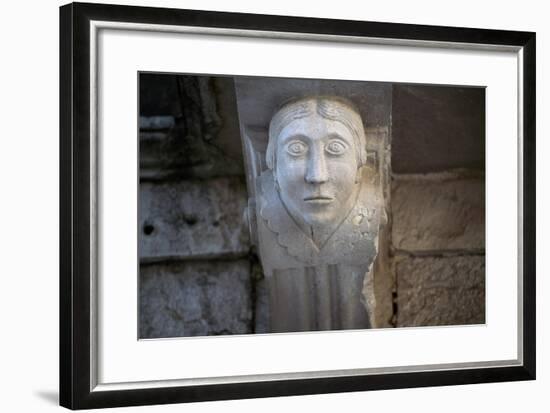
<point x="371" y="158"/>
<point x="370" y="161"/>
<point x="358" y="174"/>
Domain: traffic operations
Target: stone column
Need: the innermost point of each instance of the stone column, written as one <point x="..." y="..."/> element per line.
<point x="317" y="178"/>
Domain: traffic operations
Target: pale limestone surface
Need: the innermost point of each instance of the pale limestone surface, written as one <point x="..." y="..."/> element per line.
<point x="315" y="214"/>
<point x="257" y="101"/>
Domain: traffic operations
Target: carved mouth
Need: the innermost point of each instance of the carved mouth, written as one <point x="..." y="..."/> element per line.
<point x="319" y="199"/>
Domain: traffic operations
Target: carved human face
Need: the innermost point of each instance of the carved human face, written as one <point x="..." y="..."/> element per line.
<point x="316" y="169"/>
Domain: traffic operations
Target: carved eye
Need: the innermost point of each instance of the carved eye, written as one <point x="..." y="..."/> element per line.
<point x="296" y="148"/>
<point x="336" y="147"/>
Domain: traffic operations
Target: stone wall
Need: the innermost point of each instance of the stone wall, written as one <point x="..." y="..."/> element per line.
<point x="196" y="277"/>
<point x="199" y="274"/>
<point x="438" y="206"/>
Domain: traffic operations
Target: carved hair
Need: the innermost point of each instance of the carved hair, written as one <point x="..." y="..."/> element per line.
<point x="328" y="107"/>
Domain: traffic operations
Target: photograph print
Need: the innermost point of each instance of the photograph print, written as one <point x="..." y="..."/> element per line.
<point x="283" y="205"/>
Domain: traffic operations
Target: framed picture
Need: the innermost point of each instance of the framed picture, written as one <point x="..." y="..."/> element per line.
<point x="258" y="206"/>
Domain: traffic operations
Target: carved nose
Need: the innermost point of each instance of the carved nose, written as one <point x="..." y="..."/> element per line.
<point x="316" y="170"/>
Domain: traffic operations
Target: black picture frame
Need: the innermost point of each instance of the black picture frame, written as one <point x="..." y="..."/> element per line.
<point x="75" y="220"/>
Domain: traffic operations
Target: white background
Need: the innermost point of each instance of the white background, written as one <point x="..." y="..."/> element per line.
<point x="29" y="173"/>
<point x="123" y="53"/>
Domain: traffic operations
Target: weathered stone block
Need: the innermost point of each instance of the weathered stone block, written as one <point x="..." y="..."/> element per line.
<point x="432" y="214"/>
<point x="192" y="219"/>
<point x="440" y="291"/>
<point x="171" y="155"/>
<point x="156" y="123"/>
<point x="437" y="128"/>
<point x="197" y="137"/>
<point x="195" y="299"/>
<point x="261" y="308"/>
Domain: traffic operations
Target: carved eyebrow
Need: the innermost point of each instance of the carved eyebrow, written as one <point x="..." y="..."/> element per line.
<point x="295" y="137"/>
<point x="336" y="135"/>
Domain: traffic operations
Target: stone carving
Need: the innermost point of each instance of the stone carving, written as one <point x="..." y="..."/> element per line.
<point x="316" y="215"/>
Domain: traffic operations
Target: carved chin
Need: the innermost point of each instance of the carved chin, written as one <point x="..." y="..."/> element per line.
<point x="319" y="218"/>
